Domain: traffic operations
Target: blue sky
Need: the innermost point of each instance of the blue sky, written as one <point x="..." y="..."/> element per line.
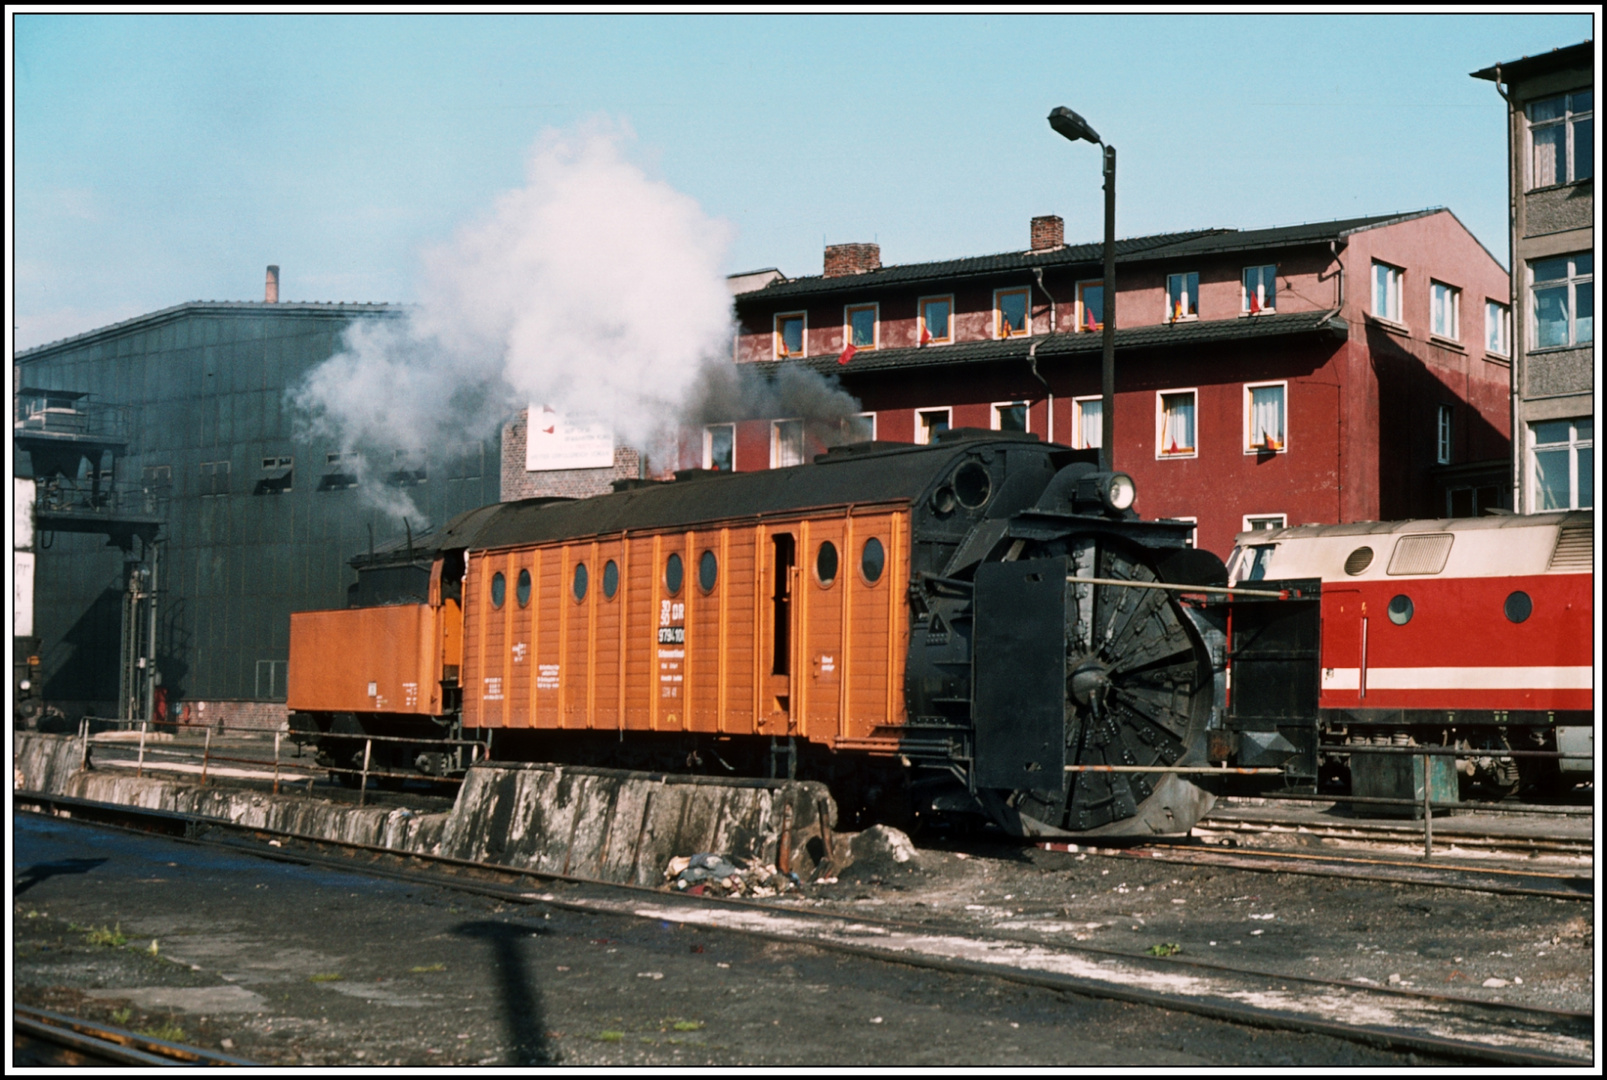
<point x="164" y="158"/>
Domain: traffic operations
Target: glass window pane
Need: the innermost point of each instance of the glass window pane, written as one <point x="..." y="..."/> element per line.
<point x="1587" y="477"/>
<point x="1584" y="314"/>
<point x="863" y="324"/>
<point x="1177" y="435"/>
<point x="792" y="335"/>
<point x="789" y="443"/>
<point x="1012" y="417"/>
<point x="1093" y="307"/>
<point x="1269" y="287"/>
<point x="720" y="447"/>
<point x="1551" y="431"/>
<point x="1549" y="149"/>
<point x="1013" y="311"/>
<point x="1266" y="417"/>
<point x="1551" y="317"/>
<point x="937" y="319"/>
<point x="1089" y="426"/>
<point x="1584" y="263"/>
<point x="1549" y="269"/>
<point x="1579" y="101"/>
<point x="1547" y="109"/>
<point x="1584" y="149"/>
<point x="1585" y="428"/>
<point x="1551" y="479"/>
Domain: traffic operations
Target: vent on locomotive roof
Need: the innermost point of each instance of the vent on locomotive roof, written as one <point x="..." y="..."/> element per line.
<point x="1574" y="550"/>
<point x="1423" y="553"/>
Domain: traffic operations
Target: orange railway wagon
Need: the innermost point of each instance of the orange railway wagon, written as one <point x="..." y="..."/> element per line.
<point x="901" y="622"/>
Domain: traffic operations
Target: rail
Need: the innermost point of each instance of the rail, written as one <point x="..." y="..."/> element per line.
<point x="364" y="774"/>
<point x="1211" y="590"/>
<point x="80" y="1042"/>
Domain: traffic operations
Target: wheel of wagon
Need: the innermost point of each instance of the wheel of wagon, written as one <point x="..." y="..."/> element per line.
<point x="1139" y="688"/>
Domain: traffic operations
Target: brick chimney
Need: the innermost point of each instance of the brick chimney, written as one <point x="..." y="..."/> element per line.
<point x="1048" y="232"/>
<point x="844" y="259"/>
<point x="270" y="293"/>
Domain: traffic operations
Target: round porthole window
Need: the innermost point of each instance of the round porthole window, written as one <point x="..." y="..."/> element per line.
<point x="522" y="590"/>
<point x="1518" y="606"/>
<point x="674" y="574"/>
<point x="579" y="588"/>
<point x="499" y="589"/>
<point x="1358" y="561"/>
<point x="972" y="485"/>
<point x="826" y="563"/>
<point x="708" y="571"/>
<point x="1400" y="610"/>
<point x="943" y="499"/>
<point x="872" y="560"/>
<point x="610" y="579"/>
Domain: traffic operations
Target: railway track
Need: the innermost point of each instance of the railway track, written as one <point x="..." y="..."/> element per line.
<point x="1439" y="1025"/>
<point x="42" y="1038"/>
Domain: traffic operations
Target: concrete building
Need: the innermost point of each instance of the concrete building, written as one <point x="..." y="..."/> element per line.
<point x="171" y="433"/>
<point x="1330" y="372"/>
<point x="1551" y="185"/>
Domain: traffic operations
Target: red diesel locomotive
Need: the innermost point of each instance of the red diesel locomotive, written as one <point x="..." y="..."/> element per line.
<point x="1476" y="633"/>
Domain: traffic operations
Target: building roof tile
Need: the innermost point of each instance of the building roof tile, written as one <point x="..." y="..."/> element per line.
<point x="1130" y="250"/>
<point x="1161" y="335"/>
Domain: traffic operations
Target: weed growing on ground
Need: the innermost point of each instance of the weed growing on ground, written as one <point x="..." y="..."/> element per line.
<point x="122" y="1016"/>
<point x="687" y="1025"/>
<point x="1164" y="949"/>
<point x="168" y="1032"/>
<point x="102" y="936"/>
<point x="423" y="969"/>
<point x="610" y="1036"/>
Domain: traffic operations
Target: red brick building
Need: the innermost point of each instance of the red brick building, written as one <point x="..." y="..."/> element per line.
<point x="1340" y="371"/>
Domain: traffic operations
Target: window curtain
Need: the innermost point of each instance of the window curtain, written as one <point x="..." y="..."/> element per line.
<point x="1179" y="436"/>
<point x="1266" y="417"/>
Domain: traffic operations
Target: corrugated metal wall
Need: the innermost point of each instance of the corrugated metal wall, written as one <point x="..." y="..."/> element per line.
<point x="205" y="385"/>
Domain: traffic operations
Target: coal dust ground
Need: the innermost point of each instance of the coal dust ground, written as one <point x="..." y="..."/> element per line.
<point x="297" y="966"/>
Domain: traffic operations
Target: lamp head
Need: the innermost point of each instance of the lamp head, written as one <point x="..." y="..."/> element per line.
<point x="1072" y="126"/>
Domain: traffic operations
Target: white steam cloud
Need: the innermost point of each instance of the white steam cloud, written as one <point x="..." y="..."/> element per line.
<point x="594" y="289"/>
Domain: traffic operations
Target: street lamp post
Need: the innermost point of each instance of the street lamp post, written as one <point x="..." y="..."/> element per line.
<point x="1075" y="128"/>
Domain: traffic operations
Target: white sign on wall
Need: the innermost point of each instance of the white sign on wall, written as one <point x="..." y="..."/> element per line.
<point x="558" y="442"/>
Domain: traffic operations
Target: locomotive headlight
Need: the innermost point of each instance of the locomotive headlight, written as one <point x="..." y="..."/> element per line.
<point x="1118" y="491"/>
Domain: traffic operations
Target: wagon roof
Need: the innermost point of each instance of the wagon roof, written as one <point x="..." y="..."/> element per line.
<point x="867" y="473"/>
<point x="1374" y="528"/>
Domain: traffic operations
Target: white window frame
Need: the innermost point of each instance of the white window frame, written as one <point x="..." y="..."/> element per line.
<point x="875" y="310"/>
<point x="1441" y="295"/>
<point x="998" y="313"/>
<point x="803" y="337"/>
<point x="1570" y="286"/>
<point x="1077" y="403"/>
<point x="1444" y="434"/>
<point x="1391" y="299"/>
<point x="921" y="436"/>
<point x="993" y="412"/>
<point x="1503" y="321"/>
<point x="1573" y="445"/>
<point x="1187" y="316"/>
<point x="1250" y="448"/>
<point x="1160" y="424"/>
<point x="1082" y="326"/>
<point x="871" y="416"/>
<point x="1264" y="272"/>
<point x="775" y="442"/>
<point x="708" y="445"/>
<point x="920" y="318"/>
<point x="1567" y="121"/>
<point x="1250" y="520"/>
